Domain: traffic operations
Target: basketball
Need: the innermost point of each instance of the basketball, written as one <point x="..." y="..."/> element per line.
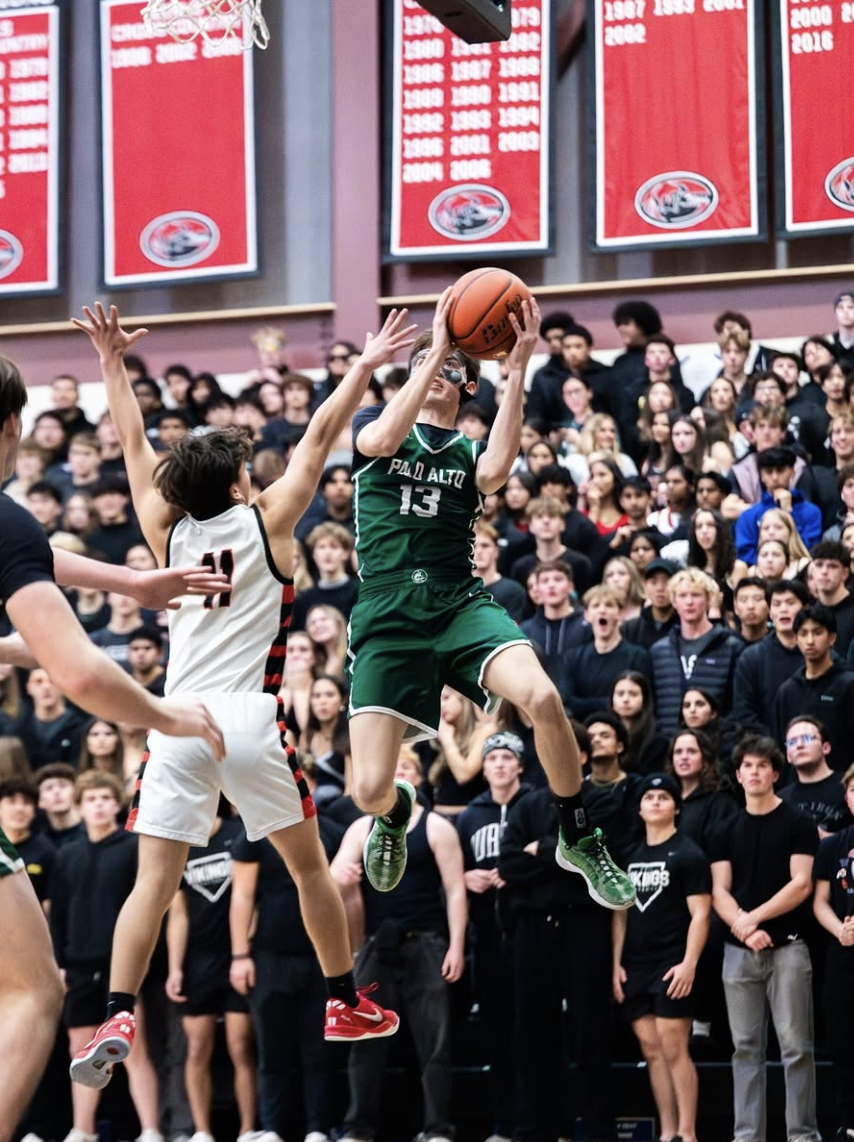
<point x="478" y="320"/>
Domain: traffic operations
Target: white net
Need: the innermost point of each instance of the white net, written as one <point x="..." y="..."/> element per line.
<point x="217" y="22"/>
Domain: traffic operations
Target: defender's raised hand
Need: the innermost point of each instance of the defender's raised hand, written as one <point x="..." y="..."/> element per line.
<point x="105" y="332"/>
<point x="393" y="337"/>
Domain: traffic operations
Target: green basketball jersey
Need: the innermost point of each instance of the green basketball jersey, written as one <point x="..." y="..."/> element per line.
<point x="418" y="507"/>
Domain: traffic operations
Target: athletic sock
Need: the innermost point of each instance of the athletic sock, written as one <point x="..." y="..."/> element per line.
<point x="342" y="987"/>
<point x="120" y="1001"/>
<point x="400" y="814"/>
<point x="573" y="818"/>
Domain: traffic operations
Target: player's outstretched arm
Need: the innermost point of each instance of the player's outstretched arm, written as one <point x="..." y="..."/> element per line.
<point x="495" y="463"/>
<point x="285" y="501"/>
<point x="42" y="616"/>
<point x="111" y="342"/>
<point x="152" y="589"/>
<point x="383" y="436"/>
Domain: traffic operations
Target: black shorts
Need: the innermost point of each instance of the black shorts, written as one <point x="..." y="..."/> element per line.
<point x="86" y="997"/>
<point x="646" y="994"/>
<point x="207" y="988"/>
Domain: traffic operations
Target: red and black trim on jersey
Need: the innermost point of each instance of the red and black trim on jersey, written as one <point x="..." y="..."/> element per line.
<point x="274" y="668"/>
<point x="130" y="824"/>
<point x="309" y="809"/>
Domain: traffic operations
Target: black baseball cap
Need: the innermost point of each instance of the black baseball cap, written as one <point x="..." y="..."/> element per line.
<point x="659" y="565"/>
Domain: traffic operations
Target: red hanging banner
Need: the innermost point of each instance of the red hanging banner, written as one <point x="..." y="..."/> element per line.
<point x="677" y="112"/>
<point x="29" y="147"/>
<point x="178" y="155"/>
<point x="468" y="168"/>
<point x="814" y="60"/>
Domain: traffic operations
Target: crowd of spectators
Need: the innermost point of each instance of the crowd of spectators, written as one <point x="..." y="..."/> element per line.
<point x="681" y="558"/>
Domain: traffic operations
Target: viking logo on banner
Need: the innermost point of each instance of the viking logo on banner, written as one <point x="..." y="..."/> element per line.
<point x="30" y="51"/>
<point x="676" y="105"/>
<point x="178" y="171"/>
<point x="467" y="171"/>
<point x="813" y="60"/>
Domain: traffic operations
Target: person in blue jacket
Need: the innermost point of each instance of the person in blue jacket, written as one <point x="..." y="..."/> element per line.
<point x="776" y="472"/>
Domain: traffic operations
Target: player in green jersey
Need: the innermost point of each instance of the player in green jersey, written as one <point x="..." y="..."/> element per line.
<point x="422" y="620"/>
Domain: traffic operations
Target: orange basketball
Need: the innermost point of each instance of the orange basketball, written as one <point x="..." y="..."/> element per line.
<point x="478" y="320"/>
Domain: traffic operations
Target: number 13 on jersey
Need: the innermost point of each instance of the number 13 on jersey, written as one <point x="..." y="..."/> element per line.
<point x="419" y="500"/>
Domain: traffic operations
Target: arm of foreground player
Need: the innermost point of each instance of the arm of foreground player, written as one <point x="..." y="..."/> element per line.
<point x="90" y="679"/>
<point x="152" y="589"/>
<point x="497" y="459"/>
<point x="383" y="436"/>
<point x="285" y="501"/>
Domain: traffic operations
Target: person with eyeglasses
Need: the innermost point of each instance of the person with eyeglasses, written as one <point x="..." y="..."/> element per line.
<point x="340" y="357"/>
<point x="422" y="621"/>
<point x="816" y="788"/>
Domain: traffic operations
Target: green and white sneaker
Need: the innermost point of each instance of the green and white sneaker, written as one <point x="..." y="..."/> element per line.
<point x="606" y="882"/>
<point x="384" y="853"/>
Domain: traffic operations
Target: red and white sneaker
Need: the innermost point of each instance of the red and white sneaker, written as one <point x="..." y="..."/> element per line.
<point x="365" y="1021"/>
<point x="93" y="1066"/>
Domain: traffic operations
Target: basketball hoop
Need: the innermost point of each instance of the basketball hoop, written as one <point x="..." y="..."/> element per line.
<point x="215" y="21"/>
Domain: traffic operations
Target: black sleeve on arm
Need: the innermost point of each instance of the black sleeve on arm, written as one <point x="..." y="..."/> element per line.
<point x="361" y="418"/>
<point x="25" y="554"/>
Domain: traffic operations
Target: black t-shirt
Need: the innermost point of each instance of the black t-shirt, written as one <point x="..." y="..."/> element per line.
<point x="38" y="856"/>
<point x="823" y="800"/>
<point x="280" y="928"/>
<point x="759" y="847"/>
<point x="59" y="838"/>
<point x="25" y="554"/>
<point x="206" y="885"/>
<point x="664" y="876"/>
<point x="835" y="864"/>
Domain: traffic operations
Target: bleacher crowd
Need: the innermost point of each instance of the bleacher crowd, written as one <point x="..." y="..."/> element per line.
<point x="680" y="555"/>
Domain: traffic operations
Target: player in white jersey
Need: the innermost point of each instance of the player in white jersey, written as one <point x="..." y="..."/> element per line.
<point x="229" y="647"/>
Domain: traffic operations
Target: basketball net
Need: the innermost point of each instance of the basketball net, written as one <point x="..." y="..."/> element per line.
<point x="215" y="21"/>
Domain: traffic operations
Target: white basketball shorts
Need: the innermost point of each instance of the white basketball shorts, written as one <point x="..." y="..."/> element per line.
<point x="180" y="781"/>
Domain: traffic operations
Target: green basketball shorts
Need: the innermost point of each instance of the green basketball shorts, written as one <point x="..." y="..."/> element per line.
<point x="10" y="862"/>
<point x="413" y="632"/>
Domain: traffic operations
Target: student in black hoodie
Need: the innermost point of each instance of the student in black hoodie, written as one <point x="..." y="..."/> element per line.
<point x="763" y="668"/>
<point x="831" y="569"/>
<point x="587" y="674"/>
<point x="91" y="880"/>
<point x="658" y="616"/>
<point x="822" y="688"/>
<point x="480" y="827"/>
<point x="557" y="626"/>
<point x="562" y="949"/>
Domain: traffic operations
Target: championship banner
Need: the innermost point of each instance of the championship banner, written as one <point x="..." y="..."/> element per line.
<point x="813" y="59"/>
<point x="468" y="124"/>
<point x="677" y="107"/>
<point x="179" y="201"/>
<point x="30" y="145"/>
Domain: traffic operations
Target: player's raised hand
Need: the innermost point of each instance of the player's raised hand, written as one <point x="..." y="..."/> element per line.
<point x="187" y="718"/>
<point x="105" y="332"/>
<point x="527" y="332"/>
<point x="160" y="589"/>
<point x="441" y="333"/>
<point x="394" y="336"/>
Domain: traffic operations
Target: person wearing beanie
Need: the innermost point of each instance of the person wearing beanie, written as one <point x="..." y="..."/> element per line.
<point x="656" y="950"/>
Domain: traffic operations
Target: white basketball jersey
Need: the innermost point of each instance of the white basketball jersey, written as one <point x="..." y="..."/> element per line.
<point x="233" y="641"/>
